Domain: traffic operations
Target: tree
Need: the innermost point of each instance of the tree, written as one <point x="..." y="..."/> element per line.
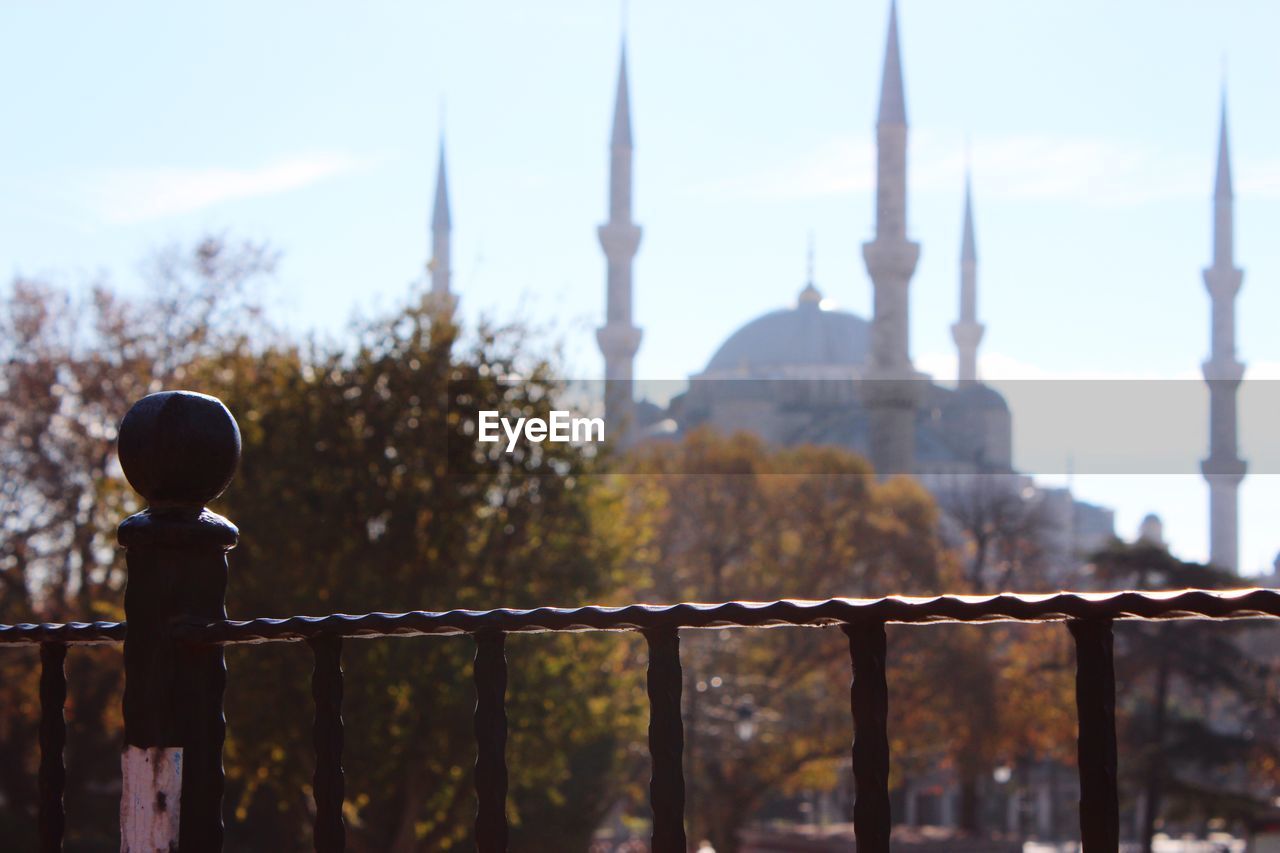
<point x="1195" y="697"/>
<point x="71" y="361"/>
<point x="1002" y="533"/>
<point x="1003" y="539"/>
<point x="735" y="516"/>
<point x="363" y="487"/>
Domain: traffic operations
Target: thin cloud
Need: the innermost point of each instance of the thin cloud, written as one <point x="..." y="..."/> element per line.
<point x="1021" y="167"/>
<point x="837" y="167"/>
<point x="1091" y="170"/>
<point x="129" y="196"/>
<point x="1260" y="180"/>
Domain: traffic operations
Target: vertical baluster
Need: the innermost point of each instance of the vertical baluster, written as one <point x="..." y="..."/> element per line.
<point x="490" y="673"/>
<point x="1096" y="744"/>
<point x="666" y="741"/>
<point x="328" y="783"/>
<point x="869" y="700"/>
<point x="53" y="737"/>
<point x="203" y="779"/>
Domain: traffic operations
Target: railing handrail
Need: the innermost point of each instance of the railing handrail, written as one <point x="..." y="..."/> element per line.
<point x="68" y="633"/>
<point x="1244" y="603"/>
<point x="179" y="450"/>
<point x="1255" y="603"/>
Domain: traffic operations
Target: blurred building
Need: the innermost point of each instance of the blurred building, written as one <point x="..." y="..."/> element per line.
<point x="809" y="373"/>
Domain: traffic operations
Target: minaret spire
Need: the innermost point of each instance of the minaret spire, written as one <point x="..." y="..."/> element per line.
<point x="967" y="332"/>
<point x="621" y="135"/>
<point x="618" y="338"/>
<point x="441" y="266"/>
<point x="893" y="106"/>
<point x="892" y="390"/>
<point x="1223" y="195"/>
<point x="1223" y="469"/>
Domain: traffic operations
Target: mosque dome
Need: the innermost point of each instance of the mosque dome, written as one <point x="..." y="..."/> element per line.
<point x="803" y="336"/>
<point x="978" y="397"/>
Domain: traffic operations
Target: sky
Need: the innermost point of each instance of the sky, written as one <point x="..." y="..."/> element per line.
<point x="1090" y="127"/>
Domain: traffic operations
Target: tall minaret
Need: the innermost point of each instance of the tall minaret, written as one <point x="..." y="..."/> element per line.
<point x="1223" y="469"/>
<point x="441" y="267"/>
<point x="967" y="332"/>
<point x="893" y="390"/>
<point x="619" y="237"/>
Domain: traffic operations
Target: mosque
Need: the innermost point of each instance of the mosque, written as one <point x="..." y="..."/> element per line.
<point x="812" y="374"/>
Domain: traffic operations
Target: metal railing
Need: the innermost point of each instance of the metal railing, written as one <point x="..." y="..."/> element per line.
<point x="179" y="451"/>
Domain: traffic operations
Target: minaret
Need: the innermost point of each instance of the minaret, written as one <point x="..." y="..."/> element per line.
<point x="619" y="238"/>
<point x="967" y="332"/>
<point x="441" y="267"/>
<point x="892" y="391"/>
<point x="1223" y="469"/>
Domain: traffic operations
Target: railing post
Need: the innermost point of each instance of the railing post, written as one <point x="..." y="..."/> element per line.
<point x="53" y="738"/>
<point x="1096" y="717"/>
<point x="666" y="741"/>
<point x="869" y="701"/>
<point x="179" y="451"/>
<point x="328" y="783"/>
<point x="490" y="673"/>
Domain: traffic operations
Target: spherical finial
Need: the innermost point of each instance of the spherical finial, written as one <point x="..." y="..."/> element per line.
<point x="179" y="448"/>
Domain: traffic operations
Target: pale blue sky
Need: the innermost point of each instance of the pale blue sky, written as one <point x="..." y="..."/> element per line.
<point x="1092" y="127"/>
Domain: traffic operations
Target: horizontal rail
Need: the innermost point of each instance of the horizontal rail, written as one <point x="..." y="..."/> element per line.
<point x="1005" y="607"/>
<point x="69" y="633"/>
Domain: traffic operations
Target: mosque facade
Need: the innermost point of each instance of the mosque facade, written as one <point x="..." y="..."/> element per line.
<point x="810" y="373"/>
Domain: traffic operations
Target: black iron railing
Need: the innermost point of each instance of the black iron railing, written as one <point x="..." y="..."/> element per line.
<point x="174" y="451"/>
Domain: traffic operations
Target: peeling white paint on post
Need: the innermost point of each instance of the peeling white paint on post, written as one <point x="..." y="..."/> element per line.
<point x="149" y="803"/>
